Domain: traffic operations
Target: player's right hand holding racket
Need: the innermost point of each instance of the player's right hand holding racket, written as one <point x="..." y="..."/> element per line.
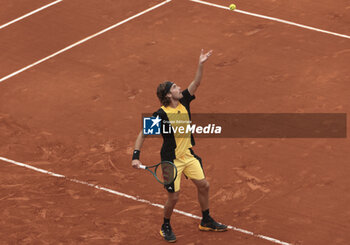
<point x="136" y="163"/>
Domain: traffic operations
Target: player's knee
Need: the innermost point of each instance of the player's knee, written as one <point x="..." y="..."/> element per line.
<point x="173" y="197"/>
<point x="204" y="186"/>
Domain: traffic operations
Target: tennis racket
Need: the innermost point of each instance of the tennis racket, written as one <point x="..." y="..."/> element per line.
<point x="165" y="172"/>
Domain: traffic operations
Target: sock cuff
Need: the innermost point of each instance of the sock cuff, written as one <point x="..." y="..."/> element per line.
<point x="205" y="213"/>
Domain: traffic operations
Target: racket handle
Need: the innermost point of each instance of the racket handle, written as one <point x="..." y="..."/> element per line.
<point x="142" y="166"/>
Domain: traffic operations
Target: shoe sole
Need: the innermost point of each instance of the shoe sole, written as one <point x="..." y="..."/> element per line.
<point x="203" y="228"/>
<point x="161" y="233"/>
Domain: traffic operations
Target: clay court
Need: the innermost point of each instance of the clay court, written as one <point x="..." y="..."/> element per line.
<point x="72" y="110"/>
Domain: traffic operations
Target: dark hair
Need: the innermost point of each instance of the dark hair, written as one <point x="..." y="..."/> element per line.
<point x="162" y="90"/>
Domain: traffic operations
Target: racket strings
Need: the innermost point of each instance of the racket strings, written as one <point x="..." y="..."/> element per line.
<point x="166" y="173"/>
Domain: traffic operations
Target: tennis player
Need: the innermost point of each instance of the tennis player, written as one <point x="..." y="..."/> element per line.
<point x="177" y="148"/>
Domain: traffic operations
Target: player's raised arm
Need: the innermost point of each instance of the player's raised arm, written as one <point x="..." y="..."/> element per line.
<point x="197" y="80"/>
<point x="136" y="153"/>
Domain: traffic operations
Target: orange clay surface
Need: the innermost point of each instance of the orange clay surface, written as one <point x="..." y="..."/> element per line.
<point x="78" y="114"/>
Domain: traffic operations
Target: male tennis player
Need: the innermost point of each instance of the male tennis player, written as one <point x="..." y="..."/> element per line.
<point x="177" y="148"/>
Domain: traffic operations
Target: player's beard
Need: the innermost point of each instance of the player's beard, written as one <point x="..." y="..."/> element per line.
<point x="179" y="96"/>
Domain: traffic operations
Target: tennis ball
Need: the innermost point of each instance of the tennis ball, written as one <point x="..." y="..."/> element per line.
<point x="232" y="6"/>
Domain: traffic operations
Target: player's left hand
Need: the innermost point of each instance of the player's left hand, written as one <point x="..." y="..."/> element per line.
<point x="204" y="56"/>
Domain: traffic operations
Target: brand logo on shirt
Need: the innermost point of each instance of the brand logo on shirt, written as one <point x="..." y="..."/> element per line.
<point x="151" y="125"/>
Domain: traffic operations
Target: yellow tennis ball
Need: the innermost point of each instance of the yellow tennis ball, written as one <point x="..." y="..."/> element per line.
<point x="232" y="6"/>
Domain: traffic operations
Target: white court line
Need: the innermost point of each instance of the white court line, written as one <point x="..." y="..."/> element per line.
<point x="26" y="15"/>
<point x="273" y="240"/>
<point x="83" y="40"/>
<point x="273" y="19"/>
